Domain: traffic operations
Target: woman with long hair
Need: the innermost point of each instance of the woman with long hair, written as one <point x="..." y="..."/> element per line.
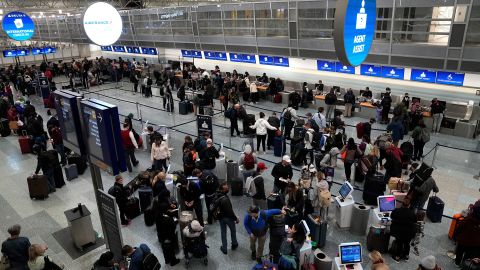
<point x="350" y="152"/>
<point x="37" y="259"/>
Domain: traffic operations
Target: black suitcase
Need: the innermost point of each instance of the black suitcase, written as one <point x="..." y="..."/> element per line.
<point x="5" y="128"/>
<point x="318" y="158"/>
<point x="274" y="201"/>
<point x="145" y="195"/>
<point x="279" y="146"/>
<point x="236" y="187"/>
<point x="435" y="208"/>
<point x="378" y="239"/>
<point x="247" y="122"/>
<point x="132" y="208"/>
<point x="71" y="172"/>
<point x="58" y="177"/>
<point x="359" y="176"/>
<point x="79" y="161"/>
<point x="374" y="186"/>
<point x="149" y="216"/>
<point x="318" y="229"/>
<point x="183" y="107"/>
<point x="38" y="187"/>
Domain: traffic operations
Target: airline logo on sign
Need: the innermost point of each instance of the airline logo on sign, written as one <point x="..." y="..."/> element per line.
<point x="18" y="26"/>
<point x="421" y="75"/>
<point x="450" y="78"/>
<point x="325" y="65"/>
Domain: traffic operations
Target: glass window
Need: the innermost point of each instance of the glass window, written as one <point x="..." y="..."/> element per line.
<point x="473" y="33"/>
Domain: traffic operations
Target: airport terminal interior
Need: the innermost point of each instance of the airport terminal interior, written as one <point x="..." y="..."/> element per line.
<point x="428" y="49"/>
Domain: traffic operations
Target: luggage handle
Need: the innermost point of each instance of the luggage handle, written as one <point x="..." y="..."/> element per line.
<point x="24" y="133"/>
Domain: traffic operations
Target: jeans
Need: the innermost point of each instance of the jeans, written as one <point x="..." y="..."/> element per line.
<point x="348" y="169"/>
<point x="160" y="165"/>
<point x="61" y="150"/>
<point x="51" y="181"/>
<point x="348" y="109"/>
<point x="261" y="243"/>
<point x="418" y="149"/>
<point x="437" y="122"/>
<point x="130" y="156"/>
<point x="224" y="222"/>
<point x="261" y="139"/>
<point x="330" y="110"/>
<point x="385" y="112"/>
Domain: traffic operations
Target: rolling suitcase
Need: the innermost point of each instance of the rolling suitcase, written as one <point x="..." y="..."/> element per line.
<point x="38" y="187"/>
<point x="279" y="146"/>
<point x="453" y="226"/>
<point x="374" y="186"/>
<point x="247" y="122"/>
<point x="58" y="177"/>
<point x="149" y="216"/>
<point x="318" y="229"/>
<point x="378" y="239"/>
<point x="5" y="127"/>
<point x="25" y="145"/>
<point x="183" y="107"/>
<point x="435" y="209"/>
<point x="71" y="172"/>
<point x="359" y="176"/>
<point x="79" y="161"/>
<point x="274" y="202"/>
<point x="237" y="187"/>
<point x="145" y="195"/>
<point x="132" y="208"/>
<point x="277" y="98"/>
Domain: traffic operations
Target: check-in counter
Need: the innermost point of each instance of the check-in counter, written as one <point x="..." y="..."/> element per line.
<point x="366" y="110"/>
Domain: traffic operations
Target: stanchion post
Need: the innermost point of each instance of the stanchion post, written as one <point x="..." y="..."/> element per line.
<point x="138" y="110"/>
<point x="434" y="155"/>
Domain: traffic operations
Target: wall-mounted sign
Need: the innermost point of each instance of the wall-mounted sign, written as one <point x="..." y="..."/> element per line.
<point x="339" y="67"/>
<point x="135" y="50"/>
<point x="371" y="70"/>
<point x="9" y="53"/>
<point x="280" y="61"/>
<point x="354" y="30"/>
<point x="423" y="75"/>
<point x="450" y="78"/>
<point x="221" y="56"/>
<point x="393" y="72"/>
<point x="186" y="53"/>
<point x="102" y="23"/>
<point x="118" y="48"/>
<point x="243" y="58"/>
<point x="265" y="60"/>
<point x="18" y="26"/>
<point x="326" y="65"/>
<point x="36" y="51"/>
<point x="236" y="57"/>
<point x="192" y="54"/>
<point x="106" y="48"/>
<point x="197" y="54"/>
<point x="209" y="55"/>
<point x="149" y="51"/>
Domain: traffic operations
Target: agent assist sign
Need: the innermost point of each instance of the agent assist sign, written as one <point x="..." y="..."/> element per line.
<point x="354" y="30"/>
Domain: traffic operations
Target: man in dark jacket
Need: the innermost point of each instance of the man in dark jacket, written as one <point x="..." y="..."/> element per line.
<point x="209" y="184"/>
<point x="227" y="217"/>
<point x="136" y="255"/>
<point x="29" y="110"/>
<point x="259" y="199"/>
<point x="349" y="99"/>
<point x="386" y="105"/>
<point x="121" y="194"/>
<point x="330" y="100"/>
<point x="210" y="156"/>
<point x="16" y="249"/>
<point x="282" y="172"/>
<point x="43" y="162"/>
<point x="166" y="225"/>
<point x="190" y="193"/>
<point x="403" y="228"/>
<point x="233" y="114"/>
<point x="274" y="122"/>
<point x="397" y="130"/>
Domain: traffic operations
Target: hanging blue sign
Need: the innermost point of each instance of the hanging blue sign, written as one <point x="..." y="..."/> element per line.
<point x="197" y="54"/>
<point x="149" y="51"/>
<point x="18" y="26"/>
<point x="280" y="61"/>
<point x="339" y="67"/>
<point x="236" y="57"/>
<point x="423" y="75"/>
<point x="118" y="48"/>
<point x="36" y="51"/>
<point x="371" y="70"/>
<point x="249" y="58"/>
<point x="106" y="48"/>
<point x="9" y="53"/>
<point x="135" y="50"/>
<point x="23" y="52"/>
<point x="186" y="53"/>
<point x="354" y="30"/>
<point x="221" y="56"/>
<point x="325" y="65"/>
<point x="209" y="55"/>
<point x="450" y="78"/>
<point x="265" y="60"/>
<point x="393" y="72"/>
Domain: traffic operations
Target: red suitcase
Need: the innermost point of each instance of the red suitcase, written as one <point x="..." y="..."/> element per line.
<point x="24" y="142"/>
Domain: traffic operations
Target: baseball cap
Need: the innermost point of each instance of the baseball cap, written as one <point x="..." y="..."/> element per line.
<point x="286" y="158"/>
<point x="261" y="166"/>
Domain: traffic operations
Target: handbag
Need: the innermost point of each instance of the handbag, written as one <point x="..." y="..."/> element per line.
<point x="4" y="263"/>
<point x="49" y="265"/>
<point x="471" y="264"/>
<point x="343" y="156"/>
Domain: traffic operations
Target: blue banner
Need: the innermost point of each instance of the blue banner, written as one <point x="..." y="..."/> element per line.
<point x="249" y="58"/>
<point x="18" y="26"/>
<point x="326" y="65"/>
<point x="119" y="49"/>
<point x="280" y="61"/>
<point x="135" y="50"/>
<point x="106" y="48"/>
<point x="196" y="54"/>
<point x="9" y="53"/>
<point x="371" y="70"/>
<point x="221" y="56"/>
<point x="265" y="60"/>
<point x="339" y="67"/>
<point x="36" y="51"/>
<point x="450" y="78"/>
<point x="186" y="53"/>
<point x="236" y="57"/>
<point x="23" y="52"/>
<point x="209" y="55"/>
<point x="149" y="51"/>
<point x="423" y="75"/>
<point x="393" y="72"/>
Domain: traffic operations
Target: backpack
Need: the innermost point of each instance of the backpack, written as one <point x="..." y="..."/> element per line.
<point x="197" y="144"/>
<point x="228" y="113"/>
<point x="149" y="82"/>
<point x="189" y="160"/>
<point x="249" y="161"/>
<point x="215" y="206"/>
<point x="250" y="186"/>
<point x="314" y="125"/>
<point x="287" y="114"/>
<point x="317" y="137"/>
<point x="150" y="262"/>
<point x="329" y="143"/>
<point x="425" y="135"/>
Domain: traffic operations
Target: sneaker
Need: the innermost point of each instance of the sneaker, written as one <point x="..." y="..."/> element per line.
<point x="451" y="255"/>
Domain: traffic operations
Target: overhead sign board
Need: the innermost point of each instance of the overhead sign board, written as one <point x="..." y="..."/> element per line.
<point x="118" y="48"/>
<point x="135" y="50"/>
<point x="450" y="78"/>
<point x="371" y="70"/>
<point x="9" y="53"/>
<point x="36" y="51"/>
<point x="18" y="26"/>
<point x="221" y="56"/>
<point x="67" y="105"/>
<point x="341" y="68"/>
<point x="192" y="54"/>
<point x="102" y="23"/>
<point x="423" y="75"/>
<point x="280" y="61"/>
<point x="243" y="58"/>
<point x="326" y="65"/>
<point x="149" y="51"/>
<point x="354" y="30"/>
<point x="103" y="135"/>
<point x="265" y="60"/>
<point x="106" y="48"/>
<point x="393" y="72"/>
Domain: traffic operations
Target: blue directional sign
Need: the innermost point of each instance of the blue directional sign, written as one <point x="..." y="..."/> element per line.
<point x="280" y="61"/>
<point x="249" y="58"/>
<point x="236" y="57"/>
<point x="106" y="48"/>
<point x="450" y="78"/>
<point x="67" y="104"/>
<point x="18" y="26"/>
<point x="393" y="72"/>
<point x="9" y="53"/>
<point x="118" y="48"/>
<point x="371" y="70"/>
<point x="103" y="135"/>
<point x="265" y="60"/>
<point x="355" y="22"/>
<point x="326" y="65"/>
<point x="423" y="75"/>
<point x="221" y="56"/>
<point x="339" y="67"/>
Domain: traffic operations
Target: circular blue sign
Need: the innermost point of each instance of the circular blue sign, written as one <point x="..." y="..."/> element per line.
<point x="354" y="30"/>
<point x="18" y="26"/>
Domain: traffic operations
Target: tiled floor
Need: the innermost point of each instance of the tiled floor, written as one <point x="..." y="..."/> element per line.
<point x="40" y="219"/>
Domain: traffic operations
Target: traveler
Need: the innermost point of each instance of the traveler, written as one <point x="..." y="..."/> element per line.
<point x="274" y="122"/>
<point x="420" y="135"/>
<point x="129" y="145"/>
<point x="437" y="110"/>
<point x="134" y="78"/>
<point x="403" y="228"/>
<point x="57" y="143"/>
<point x="136" y="255"/>
<point x="257" y="191"/>
<point x="294" y="202"/>
<point x="43" y="162"/>
<point x="37" y="259"/>
<point x="295" y="240"/>
<point x="321" y="198"/>
<point x="233" y="114"/>
<point x="16" y="248"/>
<point x="105" y="262"/>
<point x="397" y="129"/>
<point x="247" y="160"/>
<point x="209" y="185"/>
<point x="330" y="100"/>
<point x="386" y="105"/>
<point x="279" y="85"/>
<point x="308" y="142"/>
<point x="226" y="217"/>
<point x="120" y="193"/>
<point x="319" y="87"/>
<point x="189" y="159"/>
<point x="393" y="164"/>
<point x="366" y="129"/>
<point x="351" y="153"/>
<point x="166" y="224"/>
<point x="264" y="78"/>
<point x="415" y="113"/>
<point x="421" y="191"/>
<point x="282" y="173"/>
<point x="367" y="93"/>
<point x="467" y="235"/>
<point x="159" y="155"/>
<point x="428" y="263"/>
<point x="310" y="122"/>
<point x="289" y="115"/>
<point x="152" y="135"/>
<point x="377" y="260"/>
<point x="253" y="92"/>
<point x="158" y="184"/>
<point x="190" y="193"/>
<point x="208" y="161"/>
<point x="261" y="126"/>
<point x="148" y="86"/>
<point x="320" y="119"/>
<point x="349" y="99"/>
<point x="256" y="225"/>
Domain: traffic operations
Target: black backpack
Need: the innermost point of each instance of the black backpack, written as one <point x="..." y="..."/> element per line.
<point x="215" y="206"/>
<point x="317" y="137"/>
<point x="287" y="114"/>
<point x="150" y="262"/>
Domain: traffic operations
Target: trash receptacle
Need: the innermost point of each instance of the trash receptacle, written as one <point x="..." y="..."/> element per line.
<point x="322" y="261"/>
<point x="232" y="170"/>
<point x="360" y="216"/>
